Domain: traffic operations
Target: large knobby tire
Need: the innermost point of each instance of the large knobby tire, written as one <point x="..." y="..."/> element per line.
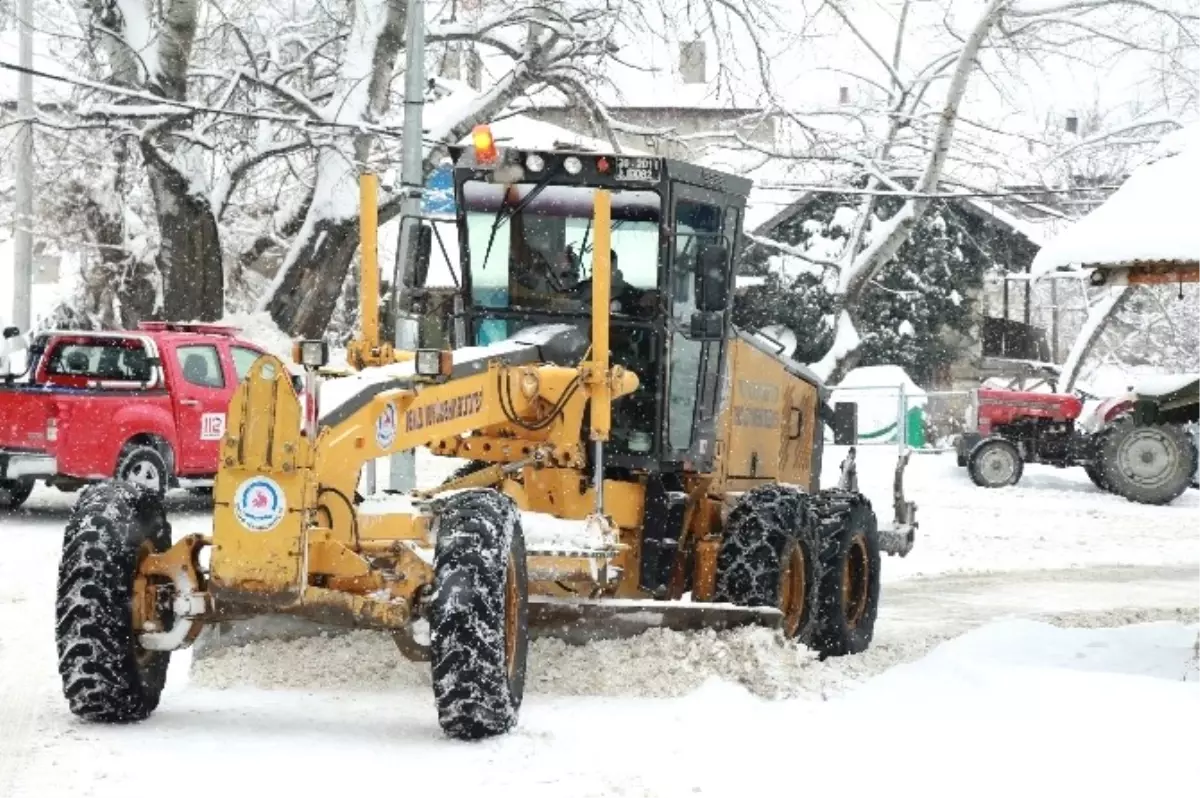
<point x="768" y="557"/>
<point x="107" y="676"/>
<point x="1147" y="463"/>
<point x="1095" y="469"/>
<point x="849" y="564"/>
<point x="1096" y="474"/>
<point x="145" y="466"/>
<point x="995" y="463"/>
<point x="14" y="492"/>
<point x="478" y="614"/>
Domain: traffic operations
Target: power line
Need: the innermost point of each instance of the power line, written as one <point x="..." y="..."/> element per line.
<point x="298" y="121"/>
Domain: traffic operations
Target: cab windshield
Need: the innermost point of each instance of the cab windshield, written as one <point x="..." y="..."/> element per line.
<point x="540" y="258"/>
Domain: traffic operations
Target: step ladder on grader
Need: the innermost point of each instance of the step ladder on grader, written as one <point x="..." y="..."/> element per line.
<point x="635" y="460"/>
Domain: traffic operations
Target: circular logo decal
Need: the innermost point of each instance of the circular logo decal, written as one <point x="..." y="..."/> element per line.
<point x="258" y="504"/>
<point x="385" y="427"/>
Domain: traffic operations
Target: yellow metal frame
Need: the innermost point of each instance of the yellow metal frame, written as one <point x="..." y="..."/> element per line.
<point x="323" y="557"/>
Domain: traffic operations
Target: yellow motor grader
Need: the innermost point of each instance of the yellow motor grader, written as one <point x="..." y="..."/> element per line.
<point x="632" y="457"/>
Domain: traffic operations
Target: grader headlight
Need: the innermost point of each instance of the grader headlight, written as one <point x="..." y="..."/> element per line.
<point x="434" y="363"/>
<point x="311" y="354"/>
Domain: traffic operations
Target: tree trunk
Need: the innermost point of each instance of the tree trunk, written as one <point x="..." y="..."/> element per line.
<point x="305" y="300"/>
<point x="891" y="235"/>
<point x="189" y="254"/>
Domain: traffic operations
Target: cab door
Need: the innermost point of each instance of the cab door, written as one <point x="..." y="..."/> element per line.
<point x="698" y="217"/>
<point x="200" y="393"/>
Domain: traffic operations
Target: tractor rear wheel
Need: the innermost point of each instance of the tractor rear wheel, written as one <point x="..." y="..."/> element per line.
<point x="995" y="463"/>
<point x="848" y="591"/>
<point x="478" y="614"/>
<point x="1147" y="463"/>
<point x="768" y="557"/>
<point x="14" y="492"/>
<point x="107" y="676"/>
<point x="1096" y="474"/>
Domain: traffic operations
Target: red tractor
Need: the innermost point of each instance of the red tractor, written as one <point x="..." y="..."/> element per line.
<point x="1140" y="445"/>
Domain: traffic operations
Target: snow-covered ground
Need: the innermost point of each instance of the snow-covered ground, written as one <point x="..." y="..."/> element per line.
<point x="1038" y="640"/>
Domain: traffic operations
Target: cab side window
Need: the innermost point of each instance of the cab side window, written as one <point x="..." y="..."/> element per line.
<point x="243" y="359"/>
<point x="201" y="365"/>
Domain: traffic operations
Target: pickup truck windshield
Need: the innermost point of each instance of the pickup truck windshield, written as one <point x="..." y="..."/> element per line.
<point x="116" y="359"/>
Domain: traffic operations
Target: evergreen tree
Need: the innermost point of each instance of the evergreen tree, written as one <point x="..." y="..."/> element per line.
<point x="926" y="292"/>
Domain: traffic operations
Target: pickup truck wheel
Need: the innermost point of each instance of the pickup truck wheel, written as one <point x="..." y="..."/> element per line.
<point x="143" y="465"/>
<point x="14" y="492"/>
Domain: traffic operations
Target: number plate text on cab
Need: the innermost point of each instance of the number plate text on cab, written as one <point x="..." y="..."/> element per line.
<point x="637" y="169"/>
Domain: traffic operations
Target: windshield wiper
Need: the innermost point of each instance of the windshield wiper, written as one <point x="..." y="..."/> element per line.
<point x="520" y="206"/>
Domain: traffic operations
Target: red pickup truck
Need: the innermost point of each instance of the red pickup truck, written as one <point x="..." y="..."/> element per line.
<point x="145" y="406"/>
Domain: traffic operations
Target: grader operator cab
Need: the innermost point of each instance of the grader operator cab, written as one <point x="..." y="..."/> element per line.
<point x="633" y="458"/>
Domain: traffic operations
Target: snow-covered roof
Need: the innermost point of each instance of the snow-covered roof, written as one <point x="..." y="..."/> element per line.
<point x="526" y="133"/>
<point x="1151" y="217"/>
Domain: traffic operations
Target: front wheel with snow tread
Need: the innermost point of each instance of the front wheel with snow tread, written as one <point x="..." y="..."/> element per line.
<point x="478" y="614"/>
<point x="1147" y="463"/>
<point x="768" y="556"/>
<point x="107" y="676"/>
<point x="848" y="592"/>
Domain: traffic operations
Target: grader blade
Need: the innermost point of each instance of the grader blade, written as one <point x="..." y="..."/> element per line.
<point x="581" y="621"/>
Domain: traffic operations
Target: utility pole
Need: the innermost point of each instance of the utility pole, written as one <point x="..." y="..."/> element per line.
<point x="403" y="470"/>
<point x="23" y="216"/>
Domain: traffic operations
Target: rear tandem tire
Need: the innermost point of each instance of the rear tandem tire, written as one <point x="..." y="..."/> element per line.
<point x="769" y="557"/>
<point x="14" y="492"/>
<point x="848" y="591"/>
<point x="1148" y="464"/>
<point x="107" y="676"/>
<point x="478" y="614"/>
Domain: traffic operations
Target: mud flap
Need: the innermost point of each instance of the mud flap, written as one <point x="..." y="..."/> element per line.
<point x="580" y="621"/>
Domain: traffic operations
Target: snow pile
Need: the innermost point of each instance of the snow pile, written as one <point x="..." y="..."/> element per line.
<point x="662" y="663"/>
<point x="1150" y="217"/>
<point x="357" y="660"/>
<point x="659" y="663"/>
<point x="544" y="532"/>
<point x="1013" y="652"/>
<point x="261" y="329"/>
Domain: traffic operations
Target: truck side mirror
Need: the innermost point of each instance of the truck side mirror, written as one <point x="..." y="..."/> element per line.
<point x="711" y="274"/>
